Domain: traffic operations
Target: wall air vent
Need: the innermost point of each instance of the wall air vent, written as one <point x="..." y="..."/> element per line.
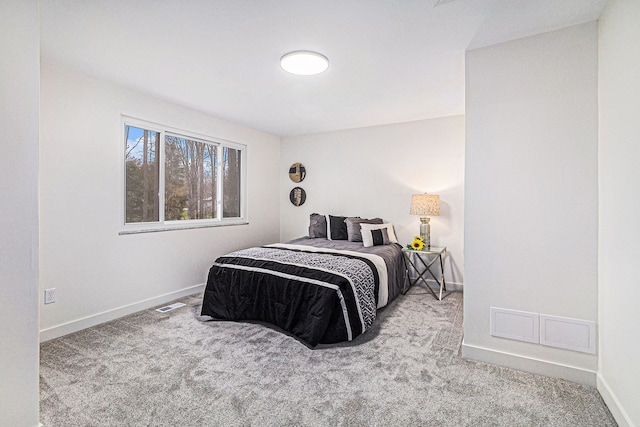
<point x="572" y="334"/>
<point x="514" y="324"/>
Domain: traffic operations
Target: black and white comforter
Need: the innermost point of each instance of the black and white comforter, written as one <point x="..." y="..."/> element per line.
<point x="318" y="290"/>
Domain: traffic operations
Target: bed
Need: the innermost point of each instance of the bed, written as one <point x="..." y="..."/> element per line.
<point x="318" y="290"/>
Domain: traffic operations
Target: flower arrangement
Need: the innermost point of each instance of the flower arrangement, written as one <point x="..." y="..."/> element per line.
<point x="417" y="244"/>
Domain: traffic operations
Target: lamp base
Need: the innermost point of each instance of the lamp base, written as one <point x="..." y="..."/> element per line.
<point x="425" y="231"/>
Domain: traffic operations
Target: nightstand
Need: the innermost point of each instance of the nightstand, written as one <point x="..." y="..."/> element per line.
<point x="427" y="258"/>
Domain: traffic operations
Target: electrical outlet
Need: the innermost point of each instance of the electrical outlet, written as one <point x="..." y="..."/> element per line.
<point x="49" y="295"/>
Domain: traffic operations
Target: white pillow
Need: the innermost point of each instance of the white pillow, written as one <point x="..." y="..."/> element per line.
<point x="367" y="240"/>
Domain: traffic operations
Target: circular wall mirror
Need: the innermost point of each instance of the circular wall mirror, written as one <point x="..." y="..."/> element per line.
<point x="297" y="172"/>
<point x="297" y="196"/>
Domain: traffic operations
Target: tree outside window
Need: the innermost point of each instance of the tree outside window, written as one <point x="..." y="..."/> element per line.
<point x="197" y="177"/>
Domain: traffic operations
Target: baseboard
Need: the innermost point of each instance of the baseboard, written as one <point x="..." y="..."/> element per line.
<point x="106" y="316"/>
<point x="612" y="402"/>
<point x="529" y="364"/>
<point x="451" y="286"/>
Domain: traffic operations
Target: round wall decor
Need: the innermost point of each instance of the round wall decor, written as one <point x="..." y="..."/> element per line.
<point x="297" y="172"/>
<point x="297" y="196"/>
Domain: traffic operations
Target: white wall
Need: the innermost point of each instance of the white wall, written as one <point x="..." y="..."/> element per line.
<point x="19" y="77"/>
<point x="372" y="172"/>
<point x="98" y="273"/>
<point x="531" y="199"/>
<point x="619" y="232"/>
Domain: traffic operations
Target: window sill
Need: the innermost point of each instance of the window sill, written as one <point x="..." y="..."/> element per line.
<point x="165" y="227"/>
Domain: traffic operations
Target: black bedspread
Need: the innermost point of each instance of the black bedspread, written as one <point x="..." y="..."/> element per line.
<point x="320" y="291"/>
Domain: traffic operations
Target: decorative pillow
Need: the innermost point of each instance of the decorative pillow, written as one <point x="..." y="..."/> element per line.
<point x="317" y="226"/>
<point x="354" y="233"/>
<point x="366" y="228"/>
<point x="380" y="237"/>
<point x="336" y="227"/>
<point x="375" y="237"/>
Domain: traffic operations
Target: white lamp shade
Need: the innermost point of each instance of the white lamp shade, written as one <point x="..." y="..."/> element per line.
<point x="425" y="205"/>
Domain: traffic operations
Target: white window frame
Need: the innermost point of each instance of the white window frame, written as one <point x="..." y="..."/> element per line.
<point x="162" y="224"/>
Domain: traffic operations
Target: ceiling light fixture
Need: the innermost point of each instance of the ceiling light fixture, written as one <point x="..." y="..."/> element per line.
<point x="304" y="63"/>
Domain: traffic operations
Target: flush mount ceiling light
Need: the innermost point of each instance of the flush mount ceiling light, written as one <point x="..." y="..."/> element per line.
<point x="304" y="63"/>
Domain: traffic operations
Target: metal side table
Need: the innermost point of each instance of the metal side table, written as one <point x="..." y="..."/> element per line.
<point x="428" y="257"/>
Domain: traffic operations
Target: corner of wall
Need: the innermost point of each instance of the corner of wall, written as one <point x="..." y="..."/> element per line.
<point x="611" y="400"/>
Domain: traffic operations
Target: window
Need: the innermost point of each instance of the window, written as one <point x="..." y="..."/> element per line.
<point x="173" y="178"/>
<point x="142" y="174"/>
<point x="189" y="179"/>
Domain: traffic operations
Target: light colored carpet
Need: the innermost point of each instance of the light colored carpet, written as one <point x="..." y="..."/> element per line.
<point x="153" y="369"/>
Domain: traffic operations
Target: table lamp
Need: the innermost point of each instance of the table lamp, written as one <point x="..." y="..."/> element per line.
<point x="425" y="205"/>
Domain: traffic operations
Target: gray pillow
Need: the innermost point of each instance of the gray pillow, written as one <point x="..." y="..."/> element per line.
<point x="317" y="226"/>
<point x="354" y="232"/>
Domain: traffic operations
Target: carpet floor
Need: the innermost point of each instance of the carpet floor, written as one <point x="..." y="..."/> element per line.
<point x="169" y="369"/>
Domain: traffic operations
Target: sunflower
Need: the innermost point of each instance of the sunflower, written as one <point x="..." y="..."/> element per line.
<point x="418" y="238"/>
<point x="417" y="245"/>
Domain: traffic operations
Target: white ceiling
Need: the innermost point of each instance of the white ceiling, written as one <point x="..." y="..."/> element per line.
<point x="390" y="60"/>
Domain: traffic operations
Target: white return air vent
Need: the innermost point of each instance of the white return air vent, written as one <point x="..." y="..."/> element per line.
<point x="514" y="324"/>
<point x="572" y="334"/>
<point x="553" y="331"/>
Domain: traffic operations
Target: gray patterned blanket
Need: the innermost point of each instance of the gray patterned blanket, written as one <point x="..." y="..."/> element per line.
<point x="318" y="294"/>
